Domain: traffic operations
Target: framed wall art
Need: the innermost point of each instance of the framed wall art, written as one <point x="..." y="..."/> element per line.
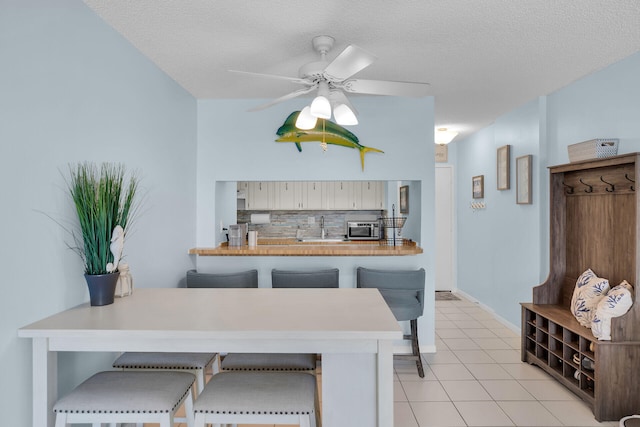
<point x="477" y="184"/>
<point x="503" y="160"/>
<point x="404" y="199"/>
<point x="523" y="180"/>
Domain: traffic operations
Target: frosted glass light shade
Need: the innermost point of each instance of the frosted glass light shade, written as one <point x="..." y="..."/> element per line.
<point x="444" y="136"/>
<point x="321" y="108"/>
<point x="344" y="115"/>
<point x="305" y="120"/>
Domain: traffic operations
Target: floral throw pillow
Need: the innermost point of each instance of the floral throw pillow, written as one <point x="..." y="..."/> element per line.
<point x="588" y="291"/>
<point x="615" y="303"/>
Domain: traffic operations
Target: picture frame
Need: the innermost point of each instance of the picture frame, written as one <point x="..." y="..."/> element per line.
<point x="477" y="186"/>
<point x="523" y="180"/>
<point x="503" y="159"/>
<point x="404" y="199"/>
<point x="442" y="153"/>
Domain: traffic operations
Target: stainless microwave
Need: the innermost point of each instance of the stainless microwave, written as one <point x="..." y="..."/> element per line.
<point x="363" y="230"/>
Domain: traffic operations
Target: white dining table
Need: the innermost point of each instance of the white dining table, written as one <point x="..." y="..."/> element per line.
<point x="353" y="329"/>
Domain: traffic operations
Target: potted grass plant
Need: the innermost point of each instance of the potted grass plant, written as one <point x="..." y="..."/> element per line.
<point x="105" y="200"/>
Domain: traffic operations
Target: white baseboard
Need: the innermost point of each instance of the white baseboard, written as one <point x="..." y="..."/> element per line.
<point x="500" y="319"/>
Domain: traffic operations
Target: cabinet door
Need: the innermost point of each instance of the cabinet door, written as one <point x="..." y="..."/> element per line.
<point x="372" y="195"/>
<point x="313" y="199"/>
<point x="286" y="197"/>
<point x="343" y="195"/>
<point x="242" y="189"/>
<point x="328" y="195"/>
<point x="260" y="195"/>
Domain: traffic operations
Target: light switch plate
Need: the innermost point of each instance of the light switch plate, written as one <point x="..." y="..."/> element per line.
<point x="311" y="220"/>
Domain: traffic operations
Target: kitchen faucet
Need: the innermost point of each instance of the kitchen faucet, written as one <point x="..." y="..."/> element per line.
<point x="322" y="227"/>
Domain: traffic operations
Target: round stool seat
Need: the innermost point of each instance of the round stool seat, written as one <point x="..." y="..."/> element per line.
<point x="128" y="392"/>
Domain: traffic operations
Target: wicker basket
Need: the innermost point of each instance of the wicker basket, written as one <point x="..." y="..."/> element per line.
<point x="593" y="149"/>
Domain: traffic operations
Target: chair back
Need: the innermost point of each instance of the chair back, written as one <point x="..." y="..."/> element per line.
<point x="328" y="278"/>
<point x="394" y="285"/>
<point x="243" y="279"/>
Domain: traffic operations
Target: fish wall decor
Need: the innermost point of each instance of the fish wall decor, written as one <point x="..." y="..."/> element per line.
<point x="325" y="131"/>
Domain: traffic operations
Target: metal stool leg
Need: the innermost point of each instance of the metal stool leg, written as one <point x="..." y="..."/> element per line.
<point x="416" y="346"/>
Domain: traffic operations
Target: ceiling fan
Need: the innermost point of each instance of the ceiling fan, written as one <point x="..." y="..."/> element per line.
<point x="332" y="79"/>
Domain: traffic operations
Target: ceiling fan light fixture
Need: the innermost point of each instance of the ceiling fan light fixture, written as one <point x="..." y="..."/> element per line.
<point x="321" y="108"/>
<point x="344" y="116"/>
<point x="305" y="120"/>
<point x="444" y="136"/>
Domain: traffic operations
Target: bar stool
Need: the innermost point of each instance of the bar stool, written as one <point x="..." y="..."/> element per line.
<point x="324" y="278"/>
<point x="403" y="291"/>
<point x="127" y="397"/>
<point x="195" y="363"/>
<point x="241" y="279"/>
<point x="257" y="398"/>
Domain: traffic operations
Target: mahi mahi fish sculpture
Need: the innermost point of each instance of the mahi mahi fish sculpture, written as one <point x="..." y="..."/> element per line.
<point x="331" y="134"/>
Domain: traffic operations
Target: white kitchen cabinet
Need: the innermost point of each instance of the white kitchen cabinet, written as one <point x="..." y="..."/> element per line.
<point x="261" y="195"/>
<point x="371" y="195"/>
<point x="314" y="195"/>
<point x="242" y="189"/>
<point x="286" y="197"/>
<point x="298" y="195"/>
<point x="328" y="195"/>
<point x="343" y="195"/>
<point x="360" y="195"/>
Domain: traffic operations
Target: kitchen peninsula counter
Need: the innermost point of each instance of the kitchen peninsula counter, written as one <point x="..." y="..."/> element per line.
<point x="292" y="247"/>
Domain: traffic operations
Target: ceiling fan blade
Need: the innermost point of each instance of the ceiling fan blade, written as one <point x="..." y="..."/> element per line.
<point x="349" y="62"/>
<point x="283" y="98"/>
<point x="274" y="76"/>
<point x="385" y="87"/>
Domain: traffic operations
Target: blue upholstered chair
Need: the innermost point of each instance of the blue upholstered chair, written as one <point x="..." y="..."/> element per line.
<point x="242" y="279"/>
<point x="327" y="278"/>
<point x="403" y="291"/>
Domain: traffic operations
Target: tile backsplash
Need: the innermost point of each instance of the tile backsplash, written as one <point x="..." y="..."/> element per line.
<point x="285" y="224"/>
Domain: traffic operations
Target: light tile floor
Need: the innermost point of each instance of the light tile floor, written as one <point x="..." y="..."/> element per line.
<point x="476" y="378"/>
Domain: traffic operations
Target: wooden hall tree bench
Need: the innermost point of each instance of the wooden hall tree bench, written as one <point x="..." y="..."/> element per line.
<point x="594" y="223"/>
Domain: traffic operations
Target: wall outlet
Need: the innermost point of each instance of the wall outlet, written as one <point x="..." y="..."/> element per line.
<point x="311" y="220"/>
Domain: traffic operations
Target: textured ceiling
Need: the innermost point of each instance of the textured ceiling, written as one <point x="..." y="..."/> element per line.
<point x="482" y="57"/>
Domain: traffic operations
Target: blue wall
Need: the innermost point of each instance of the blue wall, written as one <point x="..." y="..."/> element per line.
<point x="502" y="251"/>
<point x="73" y="89"/>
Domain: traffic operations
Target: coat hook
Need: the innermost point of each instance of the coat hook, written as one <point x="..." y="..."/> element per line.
<point x="590" y="189"/>
<point x="611" y="187"/>
<point x="629" y="179"/>
<point x="569" y="188"/>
